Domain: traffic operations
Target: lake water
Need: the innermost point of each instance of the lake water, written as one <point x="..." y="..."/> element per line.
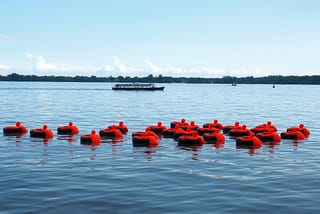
<point x="62" y="175"/>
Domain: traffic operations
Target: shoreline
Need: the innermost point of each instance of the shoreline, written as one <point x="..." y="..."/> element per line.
<point x="280" y="80"/>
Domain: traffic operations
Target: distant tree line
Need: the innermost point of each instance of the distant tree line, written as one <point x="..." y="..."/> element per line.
<point x="276" y="79"/>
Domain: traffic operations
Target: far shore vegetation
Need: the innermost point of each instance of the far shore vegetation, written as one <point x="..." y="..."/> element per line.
<point x="276" y="79"/>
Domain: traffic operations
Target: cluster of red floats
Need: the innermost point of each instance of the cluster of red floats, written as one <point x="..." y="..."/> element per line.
<point x="190" y="134"/>
<point x="113" y="131"/>
<point x="186" y="134"/>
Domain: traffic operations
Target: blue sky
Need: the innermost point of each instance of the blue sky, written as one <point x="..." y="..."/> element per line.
<point x="170" y="37"/>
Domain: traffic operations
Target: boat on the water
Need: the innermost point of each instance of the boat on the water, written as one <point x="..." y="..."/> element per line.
<point x="137" y="86"/>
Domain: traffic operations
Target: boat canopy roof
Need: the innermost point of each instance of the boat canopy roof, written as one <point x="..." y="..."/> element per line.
<point x="135" y="85"/>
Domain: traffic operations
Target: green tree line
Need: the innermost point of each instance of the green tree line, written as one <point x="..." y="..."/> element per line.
<point x="275" y="79"/>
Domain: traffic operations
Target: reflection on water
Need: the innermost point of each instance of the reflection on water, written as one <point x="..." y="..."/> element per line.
<point x="69" y="138"/>
<point x="114" y="140"/>
<point x="149" y="154"/>
<point x="45" y="141"/>
<point x="93" y="156"/>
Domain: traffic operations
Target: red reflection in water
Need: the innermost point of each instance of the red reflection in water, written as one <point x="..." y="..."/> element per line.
<point x="93" y="148"/>
<point x="149" y="146"/>
<point x="252" y="151"/>
<point x="192" y="148"/>
<point x="113" y="140"/>
<point x="296" y="144"/>
<point x="272" y="145"/>
<point x="95" y="144"/>
<point x="195" y="149"/>
<point x="20" y="135"/>
<point x="15" y="136"/>
<point x="219" y="145"/>
<point x="45" y="141"/>
<point x="69" y="138"/>
<point x="195" y="156"/>
<point x="149" y="154"/>
<point x="149" y="150"/>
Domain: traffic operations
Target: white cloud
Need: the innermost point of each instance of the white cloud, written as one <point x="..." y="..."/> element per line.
<point x="107" y="68"/>
<point x="243" y="72"/>
<point x="152" y="68"/>
<point x="200" y="72"/>
<point x="5" y="67"/>
<point x="41" y="66"/>
<point x="118" y="68"/>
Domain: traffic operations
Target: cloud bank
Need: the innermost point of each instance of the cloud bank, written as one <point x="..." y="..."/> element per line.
<point x="5" y="67"/>
<point x="40" y="65"/>
<point x="116" y="67"/>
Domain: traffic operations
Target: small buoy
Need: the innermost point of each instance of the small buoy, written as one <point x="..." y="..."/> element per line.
<point x="43" y="132"/>
<point x="182" y="124"/>
<point x="16" y="130"/>
<point x="227" y="128"/>
<point x="123" y="128"/>
<point x="215" y="124"/>
<point x="214" y="137"/>
<point x="169" y="133"/>
<point x="266" y="127"/>
<point x="301" y="128"/>
<point x="293" y="135"/>
<point x="249" y="141"/>
<point x="243" y="131"/>
<point x="70" y="129"/>
<point x="269" y="136"/>
<point x="209" y="129"/>
<point x="147" y="138"/>
<point x="193" y="140"/>
<point x="91" y="139"/>
<point x="271" y="126"/>
<point x="111" y="132"/>
<point x="193" y="126"/>
<point x="182" y="132"/>
<point x="158" y="129"/>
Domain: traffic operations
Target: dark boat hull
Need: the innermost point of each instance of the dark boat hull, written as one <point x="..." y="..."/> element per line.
<point x="139" y="89"/>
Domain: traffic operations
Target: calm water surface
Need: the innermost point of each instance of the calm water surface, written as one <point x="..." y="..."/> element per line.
<point x="62" y="175"/>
